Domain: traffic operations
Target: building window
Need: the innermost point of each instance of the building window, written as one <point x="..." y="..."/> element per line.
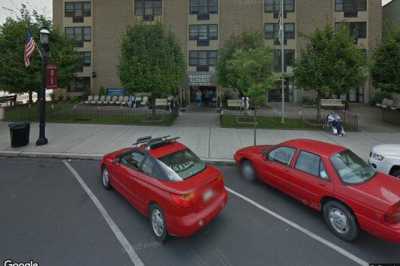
<point x="80" y="84"/>
<point x="78" y="10"/>
<point x="290" y="32"/>
<point x="85" y="61"/>
<point x="86" y="58"/>
<point x="271" y="31"/>
<point x="203" y="7"/>
<point x="79" y="34"/>
<point x="357" y="29"/>
<point x="289" y="59"/>
<point x="202" y="59"/>
<point x="203" y="33"/>
<point x="148" y="9"/>
<point x="350" y="5"/>
<point x="274" y="6"/>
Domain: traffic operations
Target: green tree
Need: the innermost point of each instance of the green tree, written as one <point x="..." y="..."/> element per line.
<point x="151" y="61"/>
<point x="330" y="64"/>
<point x="250" y="71"/>
<point x="14" y="76"/>
<point x="386" y="64"/>
<point x="244" y="41"/>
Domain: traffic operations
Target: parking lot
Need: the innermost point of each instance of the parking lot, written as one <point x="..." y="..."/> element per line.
<point x="49" y="217"/>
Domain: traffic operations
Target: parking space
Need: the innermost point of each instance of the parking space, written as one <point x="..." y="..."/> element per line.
<point x="48" y="217"/>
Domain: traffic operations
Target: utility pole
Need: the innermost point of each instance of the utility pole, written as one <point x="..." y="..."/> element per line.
<point x="282" y="37"/>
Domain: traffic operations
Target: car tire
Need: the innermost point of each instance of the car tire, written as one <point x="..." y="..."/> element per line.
<point x="396" y="173"/>
<point x="158" y="223"/>
<point x="105" y="178"/>
<point x="247" y="170"/>
<point x="340" y="221"/>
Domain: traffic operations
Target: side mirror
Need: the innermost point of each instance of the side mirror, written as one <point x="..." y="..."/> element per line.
<point x="116" y="160"/>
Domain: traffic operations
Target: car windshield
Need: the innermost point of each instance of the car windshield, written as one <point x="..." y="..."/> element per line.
<point x="351" y="168"/>
<point x="182" y="163"/>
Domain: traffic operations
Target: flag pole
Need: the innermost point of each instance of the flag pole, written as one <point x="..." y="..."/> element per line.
<point x="282" y="32"/>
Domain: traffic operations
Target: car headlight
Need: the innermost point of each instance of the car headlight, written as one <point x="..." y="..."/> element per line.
<point x="377" y="157"/>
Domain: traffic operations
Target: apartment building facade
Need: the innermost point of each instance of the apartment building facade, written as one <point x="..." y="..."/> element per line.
<point x="202" y="27"/>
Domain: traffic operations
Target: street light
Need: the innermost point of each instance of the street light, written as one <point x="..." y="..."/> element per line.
<point x="44" y="42"/>
<point x="282" y="37"/>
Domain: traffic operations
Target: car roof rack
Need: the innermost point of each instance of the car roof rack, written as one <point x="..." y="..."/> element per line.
<point x="152" y="143"/>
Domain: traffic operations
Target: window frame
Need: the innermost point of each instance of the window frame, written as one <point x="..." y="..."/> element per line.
<point x="339" y="5"/>
<point x="273" y="6"/>
<point x="79" y="32"/>
<point x="291" y="34"/>
<point x="279" y="162"/>
<point x="208" y="58"/>
<point x="85" y="55"/>
<point x="142" y="6"/>
<point x="321" y="164"/>
<point x="268" y="35"/>
<point x="211" y="7"/>
<point x="196" y="36"/>
<point x="75" y="7"/>
<point x="130" y="152"/>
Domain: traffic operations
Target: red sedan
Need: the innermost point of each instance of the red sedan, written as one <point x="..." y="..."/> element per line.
<point x="350" y="194"/>
<point x="167" y="182"/>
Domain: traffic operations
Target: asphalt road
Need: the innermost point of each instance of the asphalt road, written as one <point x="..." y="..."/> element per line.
<point x="47" y="217"/>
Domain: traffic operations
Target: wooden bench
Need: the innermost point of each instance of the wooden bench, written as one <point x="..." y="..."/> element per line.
<point x="234" y="104"/>
<point x="386" y="103"/>
<point x="332" y="103"/>
<point x="12" y="99"/>
<point x="161" y="102"/>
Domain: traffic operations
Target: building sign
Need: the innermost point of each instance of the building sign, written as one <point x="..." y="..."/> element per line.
<point x="200" y="79"/>
<point x="52" y="82"/>
<point x="115" y="92"/>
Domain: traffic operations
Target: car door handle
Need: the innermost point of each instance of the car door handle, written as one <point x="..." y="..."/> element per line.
<point x="322" y="185"/>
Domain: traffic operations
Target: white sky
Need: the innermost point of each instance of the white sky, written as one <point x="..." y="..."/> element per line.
<point x="42" y="6"/>
<point x="8" y="8"/>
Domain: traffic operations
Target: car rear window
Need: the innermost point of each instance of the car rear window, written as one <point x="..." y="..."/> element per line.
<point x="183" y="163"/>
<point x="351" y="168"/>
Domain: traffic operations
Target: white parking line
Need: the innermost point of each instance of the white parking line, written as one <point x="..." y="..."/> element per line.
<point x="114" y="227"/>
<point x="301" y="229"/>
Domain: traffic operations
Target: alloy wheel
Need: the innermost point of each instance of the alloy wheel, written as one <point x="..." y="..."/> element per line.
<point x="339" y="221"/>
<point x="157" y="222"/>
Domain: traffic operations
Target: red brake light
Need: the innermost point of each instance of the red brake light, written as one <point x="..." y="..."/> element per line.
<point x="393" y="215"/>
<point x="183" y="200"/>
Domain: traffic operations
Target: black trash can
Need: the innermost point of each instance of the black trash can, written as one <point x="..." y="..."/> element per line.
<point x="19" y="134"/>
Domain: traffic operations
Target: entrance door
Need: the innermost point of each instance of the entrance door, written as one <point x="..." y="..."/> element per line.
<point x="204" y="96"/>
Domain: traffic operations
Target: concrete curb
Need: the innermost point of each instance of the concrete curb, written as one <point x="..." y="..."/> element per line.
<point x="82" y="156"/>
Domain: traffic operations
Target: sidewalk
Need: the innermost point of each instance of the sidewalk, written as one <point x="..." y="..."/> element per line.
<point x="210" y="143"/>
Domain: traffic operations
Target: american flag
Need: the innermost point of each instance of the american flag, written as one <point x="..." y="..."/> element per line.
<point x="30" y="47"/>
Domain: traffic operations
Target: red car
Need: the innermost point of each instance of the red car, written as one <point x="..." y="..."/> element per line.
<point x="167" y="182"/>
<point x="350" y="194"/>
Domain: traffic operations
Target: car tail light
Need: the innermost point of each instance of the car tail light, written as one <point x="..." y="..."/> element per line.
<point x="184" y="200"/>
<point x="220" y="178"/>
<point x="393" y="215"/>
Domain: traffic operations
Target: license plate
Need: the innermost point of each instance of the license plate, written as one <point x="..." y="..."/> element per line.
<point x="208" y="195"/>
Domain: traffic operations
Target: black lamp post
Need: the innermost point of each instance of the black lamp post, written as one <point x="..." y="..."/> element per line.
<point x="44" y="41"/>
